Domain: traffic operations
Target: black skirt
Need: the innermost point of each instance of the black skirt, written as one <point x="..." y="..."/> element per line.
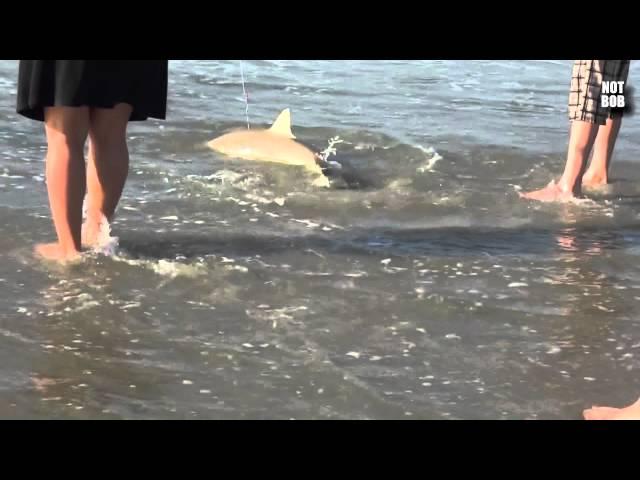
<point x="93" y="83"/>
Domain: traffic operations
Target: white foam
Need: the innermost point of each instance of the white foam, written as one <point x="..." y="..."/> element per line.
<point x="167" y="268"/>
<point x="434" y="157"/>
<point x="238" y="268"/>
<point x="130" y="305"/>
<point x="308" y="223"/>
<point x="356" y="274"/>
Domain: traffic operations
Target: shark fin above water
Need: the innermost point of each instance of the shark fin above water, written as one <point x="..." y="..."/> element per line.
<point x="282" y="125"/>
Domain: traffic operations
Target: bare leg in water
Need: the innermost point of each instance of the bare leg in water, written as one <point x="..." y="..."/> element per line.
<point x="631" y="412"/>
<point x="591" y="128"/>
<point x="598" y="172"/>
<point x="66" y="129"/>
<point x="581" y="140"/>
<point x="107" y="167"/>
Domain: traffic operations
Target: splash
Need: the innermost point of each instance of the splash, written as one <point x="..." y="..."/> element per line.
<point x="435" y="157"/>
<point x="331" y="149"/>
<point x="105" y="243"/>
<point x="169" y="269"/>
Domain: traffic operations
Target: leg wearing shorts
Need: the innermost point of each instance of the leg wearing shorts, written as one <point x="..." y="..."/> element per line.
<point x="586" y="86"/>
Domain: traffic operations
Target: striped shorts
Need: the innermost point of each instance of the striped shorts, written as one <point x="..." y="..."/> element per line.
<point x="586" y="84"/>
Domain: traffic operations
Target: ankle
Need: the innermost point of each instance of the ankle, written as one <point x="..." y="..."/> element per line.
<point x="594" y="177"/>
<point x="95" y="220"/>
<point x="566" y="188"/>
<point x="69" y="250"/>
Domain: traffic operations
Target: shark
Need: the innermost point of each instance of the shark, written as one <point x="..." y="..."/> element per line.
<point x="276" y="144"/>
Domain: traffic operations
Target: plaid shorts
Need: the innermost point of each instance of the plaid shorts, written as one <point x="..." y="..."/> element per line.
<point x="586" y="83"/>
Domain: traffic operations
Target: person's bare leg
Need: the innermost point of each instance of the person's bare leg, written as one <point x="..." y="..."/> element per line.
<point x="631" y="412"/>
<point x="598" y="172"/>
<point x="581" y="141"/>
<point x="66" y="129"/>
<point x="107" y="168"/>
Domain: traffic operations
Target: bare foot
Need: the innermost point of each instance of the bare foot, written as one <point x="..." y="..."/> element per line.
<point x="591" y="180"/>
<point x="53" y="251"/>
<point x="631" y="412"/>
<point x="551" y="193"/>
<point x="599" y="413"/>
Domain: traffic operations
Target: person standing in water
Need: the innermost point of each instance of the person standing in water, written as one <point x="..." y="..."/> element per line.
<point x="594" y="126"/>
<point x="79" y="100"/>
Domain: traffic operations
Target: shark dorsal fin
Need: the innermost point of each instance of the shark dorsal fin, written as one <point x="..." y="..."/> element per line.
<point x="282" y="125"/>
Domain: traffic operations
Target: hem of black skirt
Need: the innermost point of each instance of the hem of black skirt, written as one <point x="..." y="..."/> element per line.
<point x="36" y="112"/>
